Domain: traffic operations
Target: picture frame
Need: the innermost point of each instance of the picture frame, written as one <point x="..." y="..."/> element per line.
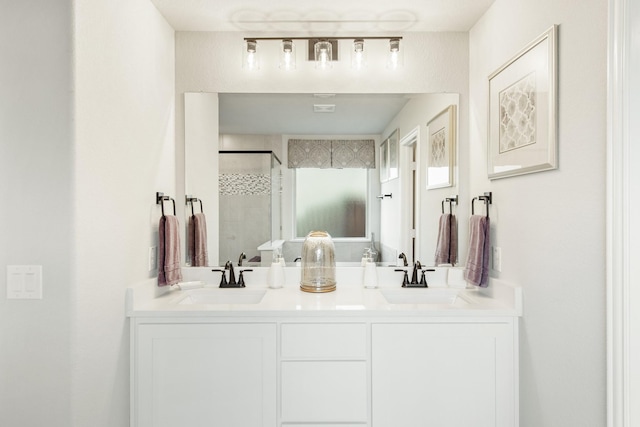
<point x="384" y="161"/>
<point x="522" y="128"/>
<point x="389" y="157"/>
<point x="441" y="149"/>
<point x="393" y="139"/>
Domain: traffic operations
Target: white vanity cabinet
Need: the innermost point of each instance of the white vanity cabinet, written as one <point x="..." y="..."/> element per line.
<point x="445" y="374"/>
<point x="345" y="372"/>
<point x="347" y="358"/>
<point x="204" y="374"/>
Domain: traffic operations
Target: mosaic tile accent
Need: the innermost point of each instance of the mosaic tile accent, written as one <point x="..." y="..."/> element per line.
<point x="234" y="184"/>
<point x="518" y="114"/>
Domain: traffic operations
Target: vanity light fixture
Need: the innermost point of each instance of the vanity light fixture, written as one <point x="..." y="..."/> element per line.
<point x="288" y="55"/>
<point x="250" y="55"/>
<point x="323" y="53"/>
<point x="395" y="54"/>
<point x="322" y="50"/>
<point x="358" y="54"/>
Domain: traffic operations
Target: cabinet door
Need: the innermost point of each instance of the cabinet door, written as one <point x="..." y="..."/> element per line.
<point x="201" y="375"/>
<point x="443" y="375"/>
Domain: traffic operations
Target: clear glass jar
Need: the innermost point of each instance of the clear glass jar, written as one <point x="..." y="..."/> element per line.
<point x="318" y="263"/>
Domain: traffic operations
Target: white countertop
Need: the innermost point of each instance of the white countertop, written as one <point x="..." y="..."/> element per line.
<point x="349" y="299"/>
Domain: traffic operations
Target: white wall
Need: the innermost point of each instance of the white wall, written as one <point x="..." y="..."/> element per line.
<point x="36" y="219"/>
<point x="551" y="225"/>
<point x="124" y="153"/>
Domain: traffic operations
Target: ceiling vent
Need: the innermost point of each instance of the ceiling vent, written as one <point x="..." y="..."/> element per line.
<point x="324" y="108"/>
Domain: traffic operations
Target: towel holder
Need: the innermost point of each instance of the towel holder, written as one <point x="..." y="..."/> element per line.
<point x="487" y="198"/>
<point x="190" y="200"/>
<point x="160" y="198"/>
<point x="383" y="196"/>
<point x="451" y="200"/>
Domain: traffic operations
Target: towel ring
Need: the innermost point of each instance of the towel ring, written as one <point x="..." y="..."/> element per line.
<point x="160" y="198"/>
<point x="451" y="201"/>
<point x="487" y="199"/>
<point x="190" y="200"/>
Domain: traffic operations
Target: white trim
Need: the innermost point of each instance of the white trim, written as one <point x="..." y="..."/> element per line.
<point x="407" y="166"/>
<point x="618" y="215"/>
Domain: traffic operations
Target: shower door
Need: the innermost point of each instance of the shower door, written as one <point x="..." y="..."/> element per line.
<point x="250" y="206"/>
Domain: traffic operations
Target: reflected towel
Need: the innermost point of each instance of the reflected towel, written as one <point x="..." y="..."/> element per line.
<point x="169" y="272"/>
<point x="198" y="255"/>
<point x="447" y="245"/>
<point x="477" y="270"/>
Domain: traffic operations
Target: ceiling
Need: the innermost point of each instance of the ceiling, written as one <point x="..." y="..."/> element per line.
<point x="293" y="113"/>
<point x="328" y="17"/>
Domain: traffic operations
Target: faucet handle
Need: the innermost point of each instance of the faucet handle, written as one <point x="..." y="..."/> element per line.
<point x="405" y="279"/>
<point x="223" y="280"/>
<point x="423" y="279"/>
<point x="241" y="278"/>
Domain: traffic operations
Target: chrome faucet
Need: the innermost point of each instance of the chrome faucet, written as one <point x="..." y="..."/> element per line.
<point x="242" y="256"/>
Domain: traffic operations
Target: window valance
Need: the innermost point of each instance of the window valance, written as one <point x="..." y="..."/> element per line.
<point x="331" y="153"/>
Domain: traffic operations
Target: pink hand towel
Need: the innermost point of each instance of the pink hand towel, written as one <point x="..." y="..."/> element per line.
<point x="447" y="244"/>
<point x="477" y="269"/>
<point x="198" y="254"/>
<point x="169" y="272"/>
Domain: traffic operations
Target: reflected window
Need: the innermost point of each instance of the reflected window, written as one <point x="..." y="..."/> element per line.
<point x="332" y="200"/>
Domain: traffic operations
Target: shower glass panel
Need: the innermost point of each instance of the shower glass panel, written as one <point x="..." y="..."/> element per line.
<point x="250" y="203"/>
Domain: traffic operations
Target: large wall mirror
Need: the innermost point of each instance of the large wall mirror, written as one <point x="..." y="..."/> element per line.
<point x="237" y="163"/>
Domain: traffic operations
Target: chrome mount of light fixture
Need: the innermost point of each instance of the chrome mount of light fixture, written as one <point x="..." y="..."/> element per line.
<point x="322" y="50"/>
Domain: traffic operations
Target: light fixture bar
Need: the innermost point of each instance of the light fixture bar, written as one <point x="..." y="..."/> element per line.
<point x="326" y="38"/>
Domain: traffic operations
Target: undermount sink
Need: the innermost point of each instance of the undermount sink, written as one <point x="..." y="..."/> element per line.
<point x="421" y="296"/>
<point x="224" y="296"/>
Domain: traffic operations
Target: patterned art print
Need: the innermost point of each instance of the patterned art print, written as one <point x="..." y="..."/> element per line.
<point x="236" y="184"/>
<point x="518" y="114"/>
<point x="438" y="149"/>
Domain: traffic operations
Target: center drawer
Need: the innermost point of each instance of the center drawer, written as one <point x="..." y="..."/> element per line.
<point x="324" y="341"/>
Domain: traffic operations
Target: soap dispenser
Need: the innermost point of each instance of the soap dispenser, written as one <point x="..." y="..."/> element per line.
<point x="276" y="271"/>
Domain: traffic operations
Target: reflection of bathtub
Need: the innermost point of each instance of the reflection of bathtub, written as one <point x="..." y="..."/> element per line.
<point x="347" y="251"/>
<point x="266" y="251"/>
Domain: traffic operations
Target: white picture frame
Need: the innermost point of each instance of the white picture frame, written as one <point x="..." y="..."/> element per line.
<point x="522" y="128"/>
<point x="389" y="152"/>
<point x="441" y="149"/>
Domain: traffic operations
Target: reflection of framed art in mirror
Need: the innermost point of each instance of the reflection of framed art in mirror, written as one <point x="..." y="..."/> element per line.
<point x="389" y="157"/>
<point x="441" y="149"/>
<point x="384" y="161"/>
<point x="393" y="154"/>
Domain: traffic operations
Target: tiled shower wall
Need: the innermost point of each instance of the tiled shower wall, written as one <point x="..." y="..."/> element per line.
<point x="245" y="204"/>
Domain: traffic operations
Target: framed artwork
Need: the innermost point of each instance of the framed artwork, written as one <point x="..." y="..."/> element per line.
<point x="384" y="161"/>
<point x="441" y="149"/>
<point x="522" y="111"/>
<point x="389" y="157"/>
<point x="393" y="153"/>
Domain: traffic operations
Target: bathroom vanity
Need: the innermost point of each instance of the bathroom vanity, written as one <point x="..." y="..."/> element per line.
<point x="384" y="357"/>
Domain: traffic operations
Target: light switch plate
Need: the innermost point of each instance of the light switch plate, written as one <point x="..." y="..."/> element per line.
<point x="153" y="258"/>
<point x="24" y="282"/>
<point x="497" y="259"/>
